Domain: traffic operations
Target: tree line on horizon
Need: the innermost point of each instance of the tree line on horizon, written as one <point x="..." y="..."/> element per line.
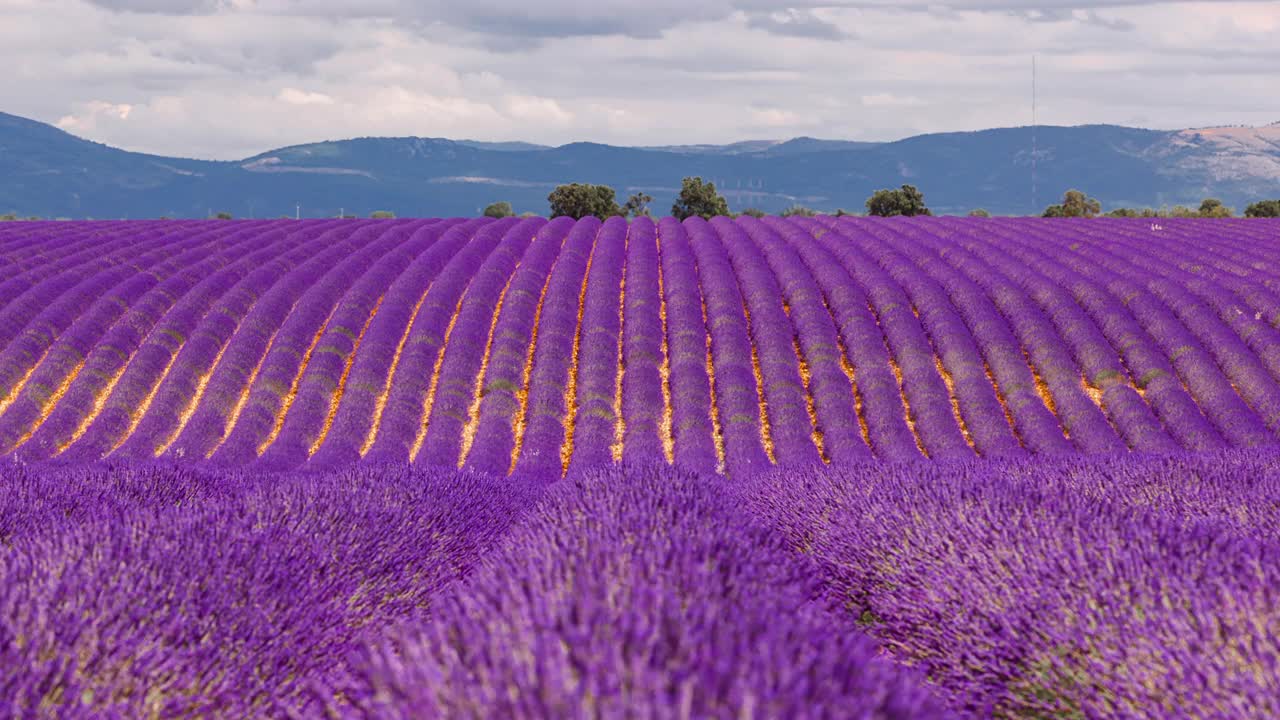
<point x="697" y="198"/>
<point x="701" y="199"/>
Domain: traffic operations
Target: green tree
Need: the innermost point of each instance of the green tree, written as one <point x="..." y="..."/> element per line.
<point x="1075" y="204"/>
<point x="699" y="198"/>
<point x="753" y="212"/>
<point x="223" y="216"/>
<point x="581" y="200"/>
<point x="979" y="213"/>
<point x="1213" y="208"/>
<point x="8" y="217"/>
<point x="1263" y="209"/>
<point x="500" y="209"/>
<point x="382" y="215"/>
<point x="637" y="205"/>
<point x="799" y="211"/>
<point x="905" y="201"/>
<point x="1125" y="213"/>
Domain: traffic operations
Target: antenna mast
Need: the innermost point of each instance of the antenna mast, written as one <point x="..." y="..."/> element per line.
<point x="1035" y="203"/>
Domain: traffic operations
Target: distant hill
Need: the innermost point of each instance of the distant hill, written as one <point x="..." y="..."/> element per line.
<point x="45" y="171"/>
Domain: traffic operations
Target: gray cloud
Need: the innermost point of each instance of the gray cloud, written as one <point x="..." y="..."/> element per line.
<point x="230" y="78"/>
<point x="796" y="23"/>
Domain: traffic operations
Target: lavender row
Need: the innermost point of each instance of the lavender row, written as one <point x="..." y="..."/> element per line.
<point x="1237" y="292"/>
<point x="923" y="389"/>
<point x="118" y="413"/>
<point x="594" y="419"/>
<point x="43" y="256"/>
<point x="196" y="354"/>
<point x="545" y="421"/>
<point x="514" y="340"/>
<point x="645" y="405"/>
<point x="105" y="364"/>
<point x="225" y="595"/>
<point x="275" y="386"/>
<point x="64" y="303"/>
<point x="988" y="421"/>
<point x="65" y="275"/>
<point x="830" y="388"/>
<point x="374" y="366"/>
<point x="1048" y="354"/>
<point x="182" y="389"/>
<point x="972" y="322"/>
<point x="321" y="383"/>
<point x="783" y="390"/>
<point x="1152" y="339"/>
<point x="464" y="359"/>
<point x="707" y="615"/>
<point x="743" y="417"/>
<point x="59" y="337"/>
<point x="1214" y="327"/>
<point x="86" y="354"/>
<point x="1083" y="327"/>
<point x="402" y="422"/>
<point x="693" y="410"/>
<point x="862" y="345"/>
<point x="245" y="352"/>
<point x="1128" y="587"/>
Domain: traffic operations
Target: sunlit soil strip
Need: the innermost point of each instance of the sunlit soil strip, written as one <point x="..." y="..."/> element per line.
<point x="380" y="403"/>
<point x="571" y="389"/>
<point x="1046" y="395"/>
<point x="1004" y="405"/>
<point x="473" y="413"/>
<point x="17" y="387"/>
<point x="430" y="400"/>
<point x="766" y="431"/>
<point x="522" y="397"/>
<point x="336" y="399"/>
<point x="619" y="424"/>
<point x="49" y="405"/>
<point x="906" y="404"/>
<point x="287" y="400"/>
<point x="955" y="400"/>
<point x="193" y="403"/>
<point x="717" y="430"/>
<point x="234" y="417"/>
<point x="850" y="373"/>
<point x="818" y="440"/>
<point x="1042" y="387"/>
<point x="140" y="412"/>
<point x="99" y="402"/>
<point x="664" y="371"/>
<point x="1094" y="393"/>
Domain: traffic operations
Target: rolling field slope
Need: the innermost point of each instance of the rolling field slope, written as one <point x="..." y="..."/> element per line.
<point x="725" y="346"/>
<point x="739" y="468"/>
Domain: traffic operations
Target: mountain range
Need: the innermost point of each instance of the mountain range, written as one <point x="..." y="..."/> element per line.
<point x="50" y="173"/>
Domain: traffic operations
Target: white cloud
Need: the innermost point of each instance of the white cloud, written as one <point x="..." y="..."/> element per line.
<point x="228" y="81"/>
<point x="773" y="117"/>
<point x="537" y="109"/>
<point x="294" y="96"/>
<point x="88" y="114"/>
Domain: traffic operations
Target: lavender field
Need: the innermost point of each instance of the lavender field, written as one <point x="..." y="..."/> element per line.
<point x="740" y="468"/>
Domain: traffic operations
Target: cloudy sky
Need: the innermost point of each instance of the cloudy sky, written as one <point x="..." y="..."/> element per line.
<point x="229" y="78"/>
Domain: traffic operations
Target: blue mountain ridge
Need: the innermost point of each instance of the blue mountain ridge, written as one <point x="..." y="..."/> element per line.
<point x="47" y="172"/>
